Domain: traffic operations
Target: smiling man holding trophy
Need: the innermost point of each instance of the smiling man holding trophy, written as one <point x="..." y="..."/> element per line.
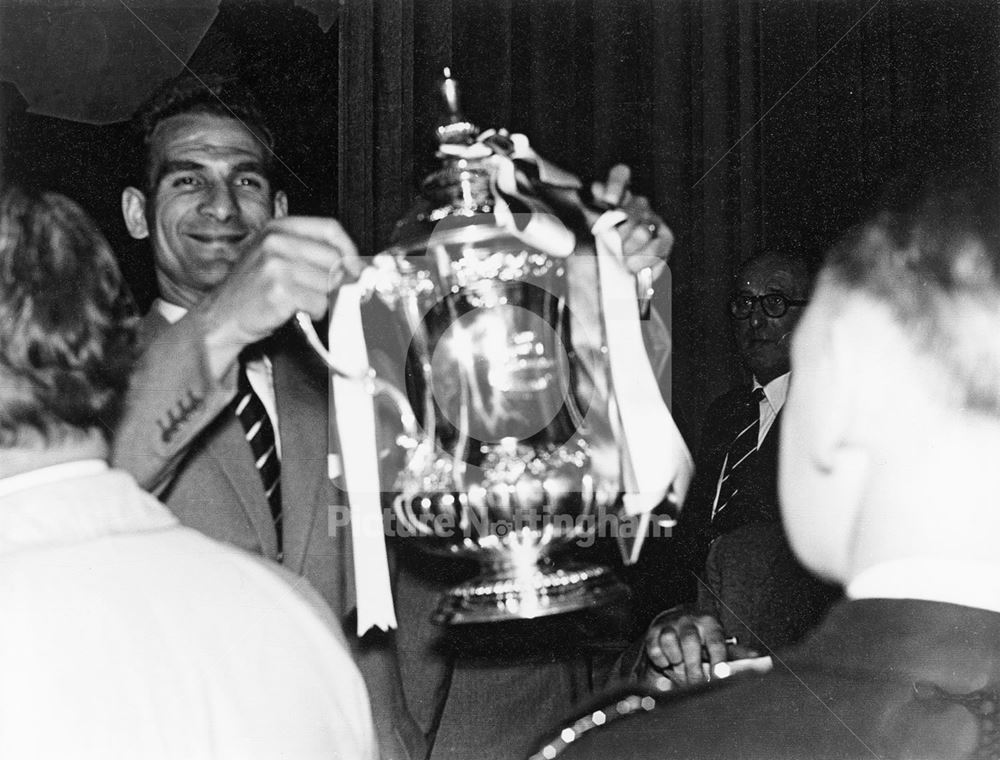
<point x="510" y="390"/>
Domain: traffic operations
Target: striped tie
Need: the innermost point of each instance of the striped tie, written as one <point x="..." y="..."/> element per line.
<point x="260" y="434"/>
<point x="741" y="450"/>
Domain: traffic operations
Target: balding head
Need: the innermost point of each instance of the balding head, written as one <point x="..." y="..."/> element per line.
<point x="892" y="424"/>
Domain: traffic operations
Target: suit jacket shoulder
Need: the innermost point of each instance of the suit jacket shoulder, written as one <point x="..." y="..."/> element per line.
<point x="757" y="500"/>
<point x="879" y="678"/>
<point x="172" y="397"/>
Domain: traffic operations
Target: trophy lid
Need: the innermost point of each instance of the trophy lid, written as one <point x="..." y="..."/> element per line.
<point x="456" y="202"/>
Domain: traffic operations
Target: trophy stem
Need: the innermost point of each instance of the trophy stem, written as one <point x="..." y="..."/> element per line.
<point x="526" y="586"/>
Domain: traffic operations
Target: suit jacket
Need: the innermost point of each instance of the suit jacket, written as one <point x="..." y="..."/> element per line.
<point x="664" y="576"/>
<point x="739" y="566"/>
<point x="757" y="479"/>
<point x="758" y="590"/>
<point x="178" y="438"/>
<point x="884" y="678"/>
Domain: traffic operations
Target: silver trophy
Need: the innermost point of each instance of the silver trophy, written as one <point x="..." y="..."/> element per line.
<point x="509" y="452"/>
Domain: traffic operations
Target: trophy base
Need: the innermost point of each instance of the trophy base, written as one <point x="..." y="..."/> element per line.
<point x="516" y="594"/>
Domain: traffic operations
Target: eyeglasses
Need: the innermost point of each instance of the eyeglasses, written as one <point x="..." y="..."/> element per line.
<point x="773" y="304"/>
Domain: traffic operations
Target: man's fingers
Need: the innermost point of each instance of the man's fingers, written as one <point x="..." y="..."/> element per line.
<point x="740" y="652"/>
<point x="714" y="638"/>
<point x="636" y="205"/>
<point x="657" y="646"/>
<point x="320" y="228"/>
<point x="613" y="192"/>
<point x="691" y="644"/>
<point x="616" y="185"/>
<point x="667" y="650"/>
<point x="324" y="263"/>
<point x="313" y="304"/>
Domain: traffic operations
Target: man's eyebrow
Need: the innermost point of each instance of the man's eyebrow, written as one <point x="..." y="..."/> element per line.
<point x="170" y="167"/>
<point x="249" y="166"/>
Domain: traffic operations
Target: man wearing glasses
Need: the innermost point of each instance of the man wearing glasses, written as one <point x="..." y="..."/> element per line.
<point x="730" y="551"/>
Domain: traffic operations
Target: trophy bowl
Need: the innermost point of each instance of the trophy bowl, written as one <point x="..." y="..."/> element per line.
<point x="509" y="456"/>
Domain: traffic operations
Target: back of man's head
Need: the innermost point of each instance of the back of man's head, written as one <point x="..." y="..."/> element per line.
<point x="936" y="268"/>
<point x="66" y="326"/>
<point x="893" y="419"/>
<point x="188" y="94"/>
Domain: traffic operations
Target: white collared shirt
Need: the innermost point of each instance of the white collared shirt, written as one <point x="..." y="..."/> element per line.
<point x="934" y="579"/>
<point x="125" y="635"/>
<point x="260" y="372"/>
<point x="51" y="474"/>
<point x="775" y="393"/>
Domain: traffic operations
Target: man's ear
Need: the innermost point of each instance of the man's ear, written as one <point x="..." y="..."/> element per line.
<point x="280" y="204"/>
<point x="134" y="212"/>
<point x="863" y="392"/>
<point x="841" y="413"/>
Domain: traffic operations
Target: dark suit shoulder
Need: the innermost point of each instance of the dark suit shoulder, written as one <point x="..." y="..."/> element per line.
<point x="879" y="678"/>
<point x="730" y="398"/>
<point x="717" y="425"/>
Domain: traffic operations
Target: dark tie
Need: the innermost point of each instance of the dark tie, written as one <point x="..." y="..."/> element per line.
<point x="260" y="435"/>
<point x="741" y="450"/>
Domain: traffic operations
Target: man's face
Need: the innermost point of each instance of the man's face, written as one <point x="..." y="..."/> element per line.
<point x="210" y="199"/>
<point x="764" y="341"/>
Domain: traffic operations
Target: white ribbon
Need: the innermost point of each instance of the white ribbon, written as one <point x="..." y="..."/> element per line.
<point x="355" y="415"/>
<point x="540" y="229"/>
<point x="655" y="459"/>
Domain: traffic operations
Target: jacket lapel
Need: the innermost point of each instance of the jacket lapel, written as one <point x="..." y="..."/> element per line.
<point x="232" y="454"/>
<point x="301" y="397"/>
<point x="151" y="325"/>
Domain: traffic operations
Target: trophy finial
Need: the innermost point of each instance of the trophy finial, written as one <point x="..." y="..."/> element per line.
<point x="454" y="130"/>
<point x="449" y="91"/>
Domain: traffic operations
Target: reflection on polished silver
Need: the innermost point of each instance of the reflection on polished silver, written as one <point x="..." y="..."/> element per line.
<point x="512" y="446"/>
<point x="644" y="290"/>
<point x="504" y="447"/>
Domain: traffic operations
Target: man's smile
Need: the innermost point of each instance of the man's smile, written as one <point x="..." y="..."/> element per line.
<point x="219" y="238"/>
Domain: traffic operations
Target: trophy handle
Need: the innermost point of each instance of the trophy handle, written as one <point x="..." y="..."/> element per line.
<point x="305" y="325"/>
<point x="377" y="386"/>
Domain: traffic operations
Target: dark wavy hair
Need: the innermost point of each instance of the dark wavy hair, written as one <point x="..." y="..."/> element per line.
<point x="187" y="94"/>
<point x="67" y="321"/>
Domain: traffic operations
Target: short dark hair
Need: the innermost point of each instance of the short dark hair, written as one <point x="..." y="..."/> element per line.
<point x="67" y="321"/>
<point x="186" y="94"/>
<point x="935" y="264"/>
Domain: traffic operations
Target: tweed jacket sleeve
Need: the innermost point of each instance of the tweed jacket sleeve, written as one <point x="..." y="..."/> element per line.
<point x="172" y="397"/>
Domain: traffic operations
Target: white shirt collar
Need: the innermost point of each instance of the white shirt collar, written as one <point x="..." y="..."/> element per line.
<point x="935" y="579"/>
<point x="51" y="474"/>
<point x="169" y="311"/>
<point x="775" y="391"/>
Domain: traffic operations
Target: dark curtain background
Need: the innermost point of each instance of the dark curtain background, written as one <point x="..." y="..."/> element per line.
<point x="751" y="124"/>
